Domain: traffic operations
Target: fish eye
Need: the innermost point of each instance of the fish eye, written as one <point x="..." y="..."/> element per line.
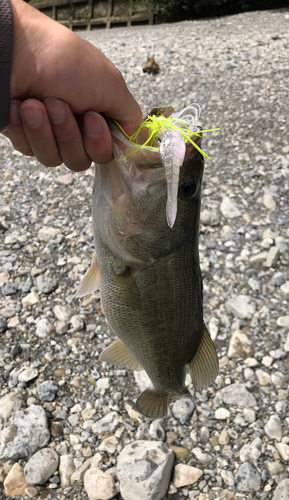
<point x="188" y="188"/>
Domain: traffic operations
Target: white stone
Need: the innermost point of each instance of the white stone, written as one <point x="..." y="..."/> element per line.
<point x="283" y="450"/>
<point x="78" y="474"/>
<point x="286" y="345"/>
<point x="6" y="405"/>
<point x="185" y="475"/>
<point x="236" y="394"/>
<point x="15" y="482"/>
<point x="77" y="323"/>
<point x="144" y="469"/>
<point x="285" y="288"/>
<point x="282" y="490"/>
<point x="272" y="257"/>
<point x="227" y="477"/>
<point x="63" y="313"/>
<point x="247" y="478"/>
<point x="278" y="378"/>
<point x="249" y="415"/>
<point x="41" y="466"/>
<point x="107" y="424"/>
<point x="241" y="307"/>
<point x="103" y="383"/>
<point x="263" y="377"/>
<point x="269" y="201"/>
<point x="283" y="321"/>
<point x="267" y="361"/>
<point x="183" y="409"/>
<point x="66" y="469"/>
<point x="109" y="444"/>
<point x="229" y="208"/>
<point x="28" y="375"/>
<point x="222" y="414"/>
<point x="31" y="299"/>
<point x="46" y="233"/>
<point x="202" y="457"/>
<point x="273" y="428"/>
<point x="43" y="328"/>
<point x="99" y="484"/>
<point x="142" y="379"/>
<point x="240" y="346"/>
<point x="28" y="433"/>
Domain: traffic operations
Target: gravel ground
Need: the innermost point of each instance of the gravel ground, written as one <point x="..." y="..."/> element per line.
<point x="235" y="436"/>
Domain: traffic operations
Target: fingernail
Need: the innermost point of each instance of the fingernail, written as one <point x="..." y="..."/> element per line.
<point x="55" y="110"/>
<point x="32" y="116"/>
<point x="14" y="115"/>
<point x="93" y="125"/>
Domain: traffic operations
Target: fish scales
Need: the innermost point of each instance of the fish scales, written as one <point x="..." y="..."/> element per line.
<point x="150" y="278"/>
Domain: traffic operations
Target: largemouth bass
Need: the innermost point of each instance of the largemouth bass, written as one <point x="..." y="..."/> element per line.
<point x="148" y="272"/>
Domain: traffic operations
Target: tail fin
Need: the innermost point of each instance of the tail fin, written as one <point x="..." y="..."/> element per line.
<point x="154" y="404"/>
<point x="204" y="366"/>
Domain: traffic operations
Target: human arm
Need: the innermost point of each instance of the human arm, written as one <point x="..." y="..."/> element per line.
<point x="54" y="71"/>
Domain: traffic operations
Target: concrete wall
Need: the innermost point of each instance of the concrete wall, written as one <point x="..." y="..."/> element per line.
<point x="94" y="14"/>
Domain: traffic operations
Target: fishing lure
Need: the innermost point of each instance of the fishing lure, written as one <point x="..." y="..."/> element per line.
<point x="169" y="134"/>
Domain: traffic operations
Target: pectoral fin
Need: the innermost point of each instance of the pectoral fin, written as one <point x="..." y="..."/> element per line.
<point x="117" y="354"/>
<point x="91" y="280"/>
<point x="204" y="366"/>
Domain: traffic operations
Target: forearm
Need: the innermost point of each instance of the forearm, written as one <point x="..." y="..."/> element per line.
<point x="6" y="48"/>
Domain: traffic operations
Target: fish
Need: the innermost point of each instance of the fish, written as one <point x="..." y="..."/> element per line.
<point x="148" y="270"/>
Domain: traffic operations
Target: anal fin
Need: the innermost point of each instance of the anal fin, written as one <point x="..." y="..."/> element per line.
<point x="153" y="404"/>
<point x="204" y="366"/>
<point x="117" y="354"/>
<point x="91" y="280"/>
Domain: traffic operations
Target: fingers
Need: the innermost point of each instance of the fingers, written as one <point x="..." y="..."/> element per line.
<point x="50" y="132"/>
<point x="15" y="130"/>
<point x="97" y="137"/>
<point x="67" y="135"/>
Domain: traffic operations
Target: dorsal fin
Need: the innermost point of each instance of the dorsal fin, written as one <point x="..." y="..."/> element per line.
<point x="91" y="280"/>
<point x="118" y="354"/>
<point x="204" y="366"/>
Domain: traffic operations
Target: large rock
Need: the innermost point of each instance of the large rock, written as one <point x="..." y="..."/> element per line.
<point x="41" y="466"/>
<point x="229" y="208"/>
<point x="26" y="435"/>
<point x="144" y="469"/>
<point x="66" y="469"/>
<point x="273" y="428"/>
<point x="99" y="484"/>
<point x="236" y="394"/>
<point x="46" y="284"/>
<point x="6" y="404"/>
<point x="185" y="475"/>
<point x="282" y="490"/>
<point x="183" y="409"/>
<point x="240" y="345"/>
<point x="47" y="390"/>
<point x="248" y="478"/>
<point x="241" y="307"/>
<point x="15" y="483"/>
<point x="46" y="233"/>
<point x="106" y="424"/>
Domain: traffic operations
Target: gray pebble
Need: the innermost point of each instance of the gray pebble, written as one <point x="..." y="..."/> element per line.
<point x="47" y="390"/>
<point x="183" y="409"/>
<point x="3" y="326"/>
<point x="10" y="288"/>
<point x="41" y="466"/>
<point x="46" y="284"/>
<point x="247" y="478"/>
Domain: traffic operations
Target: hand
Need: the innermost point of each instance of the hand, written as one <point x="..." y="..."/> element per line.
<point x="56" y="76"/>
